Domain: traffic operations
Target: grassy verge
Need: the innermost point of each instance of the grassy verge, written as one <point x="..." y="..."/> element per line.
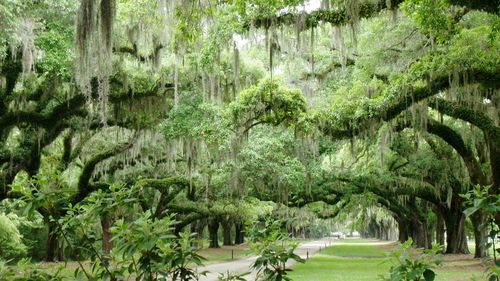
<point x="368" y="262"/>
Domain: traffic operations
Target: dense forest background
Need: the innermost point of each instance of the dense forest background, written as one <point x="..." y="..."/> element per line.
<point x="380" y="116"/>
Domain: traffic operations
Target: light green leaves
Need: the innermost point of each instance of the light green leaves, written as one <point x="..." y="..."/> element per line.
<point x="10" y="238"/>
<point x="411" y="267"/>
<point x="268" y="102"/>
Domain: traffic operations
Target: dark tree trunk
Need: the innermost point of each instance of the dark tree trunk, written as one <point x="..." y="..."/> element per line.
<point x="429" y="237"/>
<point x="51" y="244"/>
<point x="403" y="228"/>
<point x="440" y="230"/>
<point x="456" y="240"/>
<point x="226" y="230"/>
<point x="107" y="245"/>
<point x="61" y="251"/>
<point x="480" y="235"/>
<point x="239" y="236"/>
<point x="213" y="228"/>
<point x="420" y="234"/>
<point x="197" y="228"/>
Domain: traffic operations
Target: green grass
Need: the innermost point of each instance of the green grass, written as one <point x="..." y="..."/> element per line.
<point x="368" y="262"/>
<point x="355" y="241"/>
<point x="358" y="251"/>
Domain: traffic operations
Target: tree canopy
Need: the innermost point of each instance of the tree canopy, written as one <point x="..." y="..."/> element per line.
<point x="375" y="115"/>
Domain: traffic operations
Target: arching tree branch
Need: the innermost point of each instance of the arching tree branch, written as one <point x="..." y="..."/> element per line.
<point x="89" y="167"/>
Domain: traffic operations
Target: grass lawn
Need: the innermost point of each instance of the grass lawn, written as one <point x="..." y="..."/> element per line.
<point x="350" y="240"/>
<point x="368" y="262"/>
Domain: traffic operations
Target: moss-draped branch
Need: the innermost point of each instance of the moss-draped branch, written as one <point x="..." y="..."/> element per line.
<point x="89" y="167"/>
<point x="385" y="187"/>
<point x="480" y="120"/>
<point x="454" y="139"/>
<point x="336" y="16"/>
<point x="396" y="100"/>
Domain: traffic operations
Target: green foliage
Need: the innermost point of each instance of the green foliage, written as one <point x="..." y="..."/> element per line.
<point x="274" y="249"/>
<point x="431" y="15"/>
<point x="232" y="276"/>
<point x="184" y="120"/>
<point x="410" y="268"/>
<point x="145" y="247"/>
<point x="263" y="8"/>
<point x="30" y="227"/>
<point x="270" y="160"/>
<point x="235" y="140"/>
<point x="56" y="42"/>
<point x="25" y="271"/>
<point x="159" y="253"/>
<point x="269" y="102"/>
<point x="481" y="200"/>
<point x="10" y="238"/>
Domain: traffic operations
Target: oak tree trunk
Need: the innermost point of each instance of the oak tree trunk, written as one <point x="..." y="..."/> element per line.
<point x="239" y="237"/>
<point x="480" y="235"/>
<point x="213" y="229"/>
<point x="107" y="245"/>
<point x="226" y="230"/>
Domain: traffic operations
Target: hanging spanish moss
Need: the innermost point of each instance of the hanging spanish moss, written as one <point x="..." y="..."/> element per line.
<point x="325" y="4"/>
<point x="352" y="9"/>
<point x="176" y="80"/>
<point x="385" y="142"/>
<point x="25" y="31"/>
<point x="312" y="50"/>
<point x="236" y="68"/>
<point x="94" y="49"/>
<point x="339" y="45"/>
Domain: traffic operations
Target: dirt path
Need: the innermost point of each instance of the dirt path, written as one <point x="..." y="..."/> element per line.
<point x="243" y="265"/>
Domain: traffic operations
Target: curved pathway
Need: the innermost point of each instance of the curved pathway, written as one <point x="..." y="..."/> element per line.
<point x="244" y="265"/>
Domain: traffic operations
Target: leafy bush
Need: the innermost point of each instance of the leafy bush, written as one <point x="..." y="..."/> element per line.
<point x="26" y="271"/>
<point x="274" y="249"/>
<point x="10" y="239"/>
<point x="480" y="199"/>
<point x="30" y="227"/>
<point x="144" y="247"/>
<point x="412" y="267"/>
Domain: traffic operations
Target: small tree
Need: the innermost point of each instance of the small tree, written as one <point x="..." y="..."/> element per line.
<point x="481" y="199"/>
<point x="144" y="247"/>
<point x="407" y="267"/>
<point x="274" y="248"/>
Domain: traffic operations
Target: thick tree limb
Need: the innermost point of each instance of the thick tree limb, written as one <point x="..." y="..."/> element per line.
<point x="89" y="167"/>
<point x="483" y="122"/>
<point x="455" y="140"/>
<point x="392" y="105"/>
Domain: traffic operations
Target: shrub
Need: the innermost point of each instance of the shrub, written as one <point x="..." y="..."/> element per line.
<point x="10" y="238"/>
<point x="412" y="267"/>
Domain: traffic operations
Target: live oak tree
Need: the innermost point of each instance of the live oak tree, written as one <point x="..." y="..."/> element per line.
<point x="210" y="105"/>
